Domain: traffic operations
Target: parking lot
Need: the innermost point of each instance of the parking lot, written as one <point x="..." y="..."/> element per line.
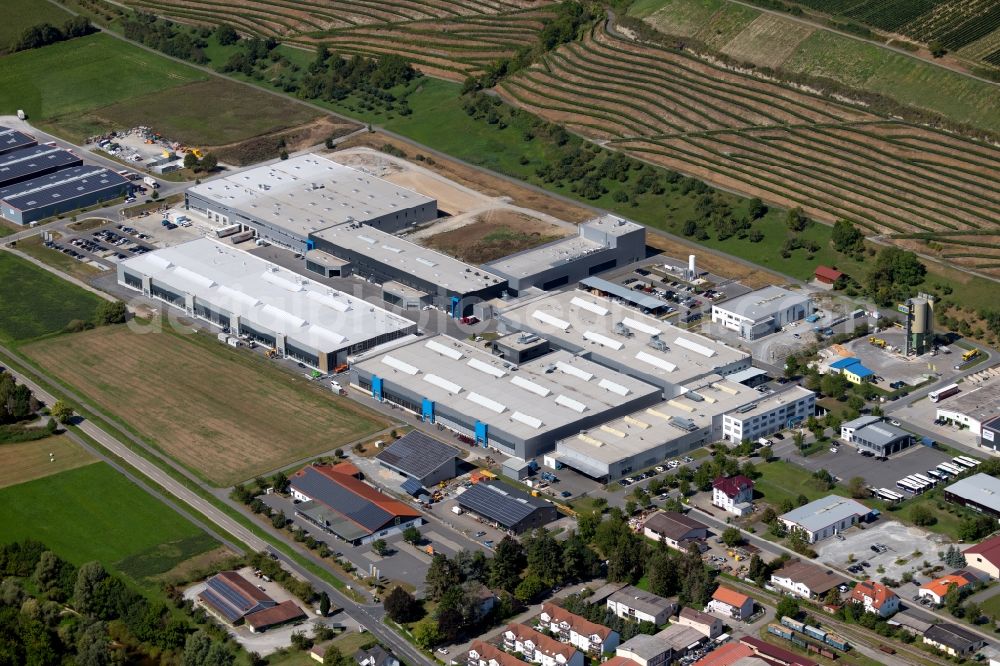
<point x="902" y="544"/>
<point x="923" y="413"/>
<point x="847" y="463"/>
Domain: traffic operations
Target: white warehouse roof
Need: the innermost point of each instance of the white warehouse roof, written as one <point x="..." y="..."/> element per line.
<point x="308" y="193"/>
<point x="764" y="303"/>
<point x="263" y="293"/>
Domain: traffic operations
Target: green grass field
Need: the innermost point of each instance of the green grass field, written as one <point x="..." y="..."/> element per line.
<point x="21" y="14"/>
<point x="94" y="513"/>
<point x="781" y="480"/>
<point x="34" y="302"/>
<point x="84" y="74"/>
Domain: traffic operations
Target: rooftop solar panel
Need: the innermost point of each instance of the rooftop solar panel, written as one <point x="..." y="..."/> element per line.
<point x="343" y="501"/>
<point x="506" y="506"/>
<point x="417" y="454"/>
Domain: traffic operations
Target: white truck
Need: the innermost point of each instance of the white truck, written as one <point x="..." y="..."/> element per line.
<point x="223" y="338"/>
<point x="149" y="180"/>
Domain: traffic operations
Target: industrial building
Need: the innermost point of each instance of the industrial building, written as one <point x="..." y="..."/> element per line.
<point x="665" y="430"/>
<point x="507" y="507"/>
<point x="918" y="324"/>
<point x="824" y="517"/>
<point x="61" y="192"/>
<point x="882" y="439"/>
<point x="520" y="410"/>
<point x="762" y="312"/>
<point x="805" y="579"/>
<point x="440" y="279"/>
<point x="235" y="600"/>
<point x="242" y="293"/>
<point x="980" y="492"/>
<point x="287" y="201"/>
<point x="768" y="415"/>
<point x="675" y="529"/>
<point x="601" y="244"/>
<point x="978" y="403"/>
<point x="853" y="370"/>
<point x="20" y="165"/>
<point x="335" y="499"/>
<point x="12" y="139"/>
<point x="623" y="339"/>
<point x="422" y="458"/>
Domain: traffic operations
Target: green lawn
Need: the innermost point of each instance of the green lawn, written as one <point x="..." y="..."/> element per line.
<point x="34" y="302"/>
<point x="94" y="513"/>
<point x="21" y="14"/>
<point x="83" y="74"/>
<point x="947" y="521"/>
<point x="781" y="480"/>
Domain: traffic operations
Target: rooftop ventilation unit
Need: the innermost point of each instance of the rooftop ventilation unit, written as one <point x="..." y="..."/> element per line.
<point x="659" y="345"/>
<point x="623" y="330"/>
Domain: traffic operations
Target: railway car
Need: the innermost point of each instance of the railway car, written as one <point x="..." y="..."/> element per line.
<point x="778" y="630"/>
<point x="838" y="642"/>
<point x="815" y="632"/>
<point x="800" y="642"/>
<point x="792" y="623"/>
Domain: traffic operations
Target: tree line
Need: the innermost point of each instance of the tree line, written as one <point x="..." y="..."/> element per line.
<point x="43" y="34"/>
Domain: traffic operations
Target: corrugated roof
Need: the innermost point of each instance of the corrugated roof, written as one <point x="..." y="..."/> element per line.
<point x="635" y="296"/>
<point x="284" y="612"/>
<point x="417" y="454"/>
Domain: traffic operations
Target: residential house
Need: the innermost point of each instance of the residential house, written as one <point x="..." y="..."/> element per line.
<point x="631" y="603"/>
<point x="483" y="598"/>
<point x="876" y="598"/>
<point x="646" y="650"/>
<point x="939" y="587"/>
<point x="707" y="624"/>
<point x="592" y="638"/>
<point x="538" y="648"/>
<point x="674" y="528"/>
<point x="805" y="579"/>
<point x="985" y="557"/>
<point x="484" y="654"/>
<point x="733" y="493"/>
<point x="729" y="602"/>
<point x="375" y="656"/>
<point x="953" y="639"/>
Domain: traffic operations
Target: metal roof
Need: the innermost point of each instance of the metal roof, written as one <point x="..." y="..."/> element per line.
<point x="861" y="421"/>
<point x="232" y="596"/>
<point x="417" y="454"/>
<point x="745" y="375"/>
<point x="344" y="501"/>
<point x="764" y="303"/>
<point x="61" y="186"/>
<point x="20" y="165"/>
<point x="881" y="434"/>
<point x="824" y="512"/>
<point x="980" y="488"/>
<point x="12" y="139"/>
<point x="641" y="299"/>
<point x="412" y="486"/>
<point x="500" y="503"/>
<point x="846" y="362"/>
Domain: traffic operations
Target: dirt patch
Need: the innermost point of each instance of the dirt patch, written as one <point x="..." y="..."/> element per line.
<point x="269" y="146"/>
<point x="754" y="277"/>
<point x="494" y="234"/>
<point x="479" y="180"/>
<point x="197" y="567"/>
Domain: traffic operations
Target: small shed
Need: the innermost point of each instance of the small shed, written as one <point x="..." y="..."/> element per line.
<point x="827" y="275"/>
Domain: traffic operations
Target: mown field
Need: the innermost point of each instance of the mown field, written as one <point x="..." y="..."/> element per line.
<point x="30" y="460"/>
<point x="789" y="146"/>
<point x="763" y="39"/>
<point x="94" y="513"/>
<point x="34" y="302"/>
<point x="223" y="413"/>
<point x="89" y="85"/>
<point x="21" y="14"/>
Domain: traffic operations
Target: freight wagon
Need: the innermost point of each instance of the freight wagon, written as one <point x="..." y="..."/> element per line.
<point x="792" y="623"/>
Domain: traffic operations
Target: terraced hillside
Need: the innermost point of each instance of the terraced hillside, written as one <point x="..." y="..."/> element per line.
<point x="787" y="145"/>
<point x="447" y="38"/>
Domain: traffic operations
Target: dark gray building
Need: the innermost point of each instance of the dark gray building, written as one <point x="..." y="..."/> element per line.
<point x="422" y="458"/>
<point x="19" y="166"/>
<point x="507" y="507"/>
<point x="520" y="347"/>
<point x="882" y="439"/>
<point x="601" y="244"/>
<point x="61" y="192"/>
<point x="12" y="139"/>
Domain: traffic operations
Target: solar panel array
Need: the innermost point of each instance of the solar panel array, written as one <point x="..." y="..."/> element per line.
<point x="62" y="186"/>
<point x="230" y="601"/>
<point x="506" y="506"/>
<point x="362" y="511"/>
<point x="21" y="165"/>
<point x="417" y="454"/>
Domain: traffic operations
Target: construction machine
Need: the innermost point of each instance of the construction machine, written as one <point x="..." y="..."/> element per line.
<point x="878" y="342"/>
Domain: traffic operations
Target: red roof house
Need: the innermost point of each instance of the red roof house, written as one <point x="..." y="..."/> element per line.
<point x="827" y="275"/>
<point x="985" y="557"/>
<point x="876" y="598"/>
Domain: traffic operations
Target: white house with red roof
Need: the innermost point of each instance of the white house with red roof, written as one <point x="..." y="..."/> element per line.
<point x="593" y="638"/>
<point x="876" y="598"/>
<point x="539" y="648"/>
<point x="733" y="493"/>
<point x="985" y="557"/>
<point x="729" y="602"/>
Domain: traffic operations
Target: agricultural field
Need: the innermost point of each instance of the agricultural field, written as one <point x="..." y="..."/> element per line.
<point x="94" y="513"/>
<point x="445" y="38"/>
<point x="22" y="14"/>
<point x="225" y="414"/>
<point x="26" y="461"/>
<point x="34" y="302"/>
<point x="797" y="48"/>
<point x="786" y="145"/>
<point x="492" y="235"/>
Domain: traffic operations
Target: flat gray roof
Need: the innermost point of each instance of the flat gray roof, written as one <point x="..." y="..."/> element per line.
<point x="421" y="262"/>
<point x="580" y="319"/>
<point x="861" y="421"/>
<point x="774" y="400"/>
<point x="640" y="298"/>
<point x="824" y="512"/>
<point x="763" y="303"/>
<point x="266" y="294"/>
<point x="978" y="401"/>
<point x="980" y="488"/>
<point x="308" y="193"/>
<point x="549" y="392"/>
<point x="564" y="250"/>
<point x="746" y="375"/>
